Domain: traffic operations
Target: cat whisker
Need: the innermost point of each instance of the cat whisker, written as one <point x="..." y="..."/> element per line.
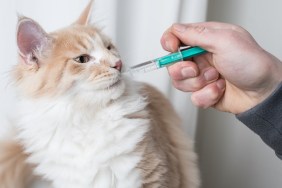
<point x="6" y="76"/>
<point x="99" y="21"/>
<point x="6" y="73"/>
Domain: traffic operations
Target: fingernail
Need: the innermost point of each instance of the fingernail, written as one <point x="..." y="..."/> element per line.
<point x="211" y="74"/>
<point x="167" y="43"/>
<point x="188" y="72"/>
<point x="179" y="27"/>
<point x="220" y="84"/>
<point x="168" y="46"/>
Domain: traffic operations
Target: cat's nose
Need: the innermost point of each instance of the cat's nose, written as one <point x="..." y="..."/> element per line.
<point x="118" y="65"/>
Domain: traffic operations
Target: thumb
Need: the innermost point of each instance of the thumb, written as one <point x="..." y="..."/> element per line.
<point x="196" y="35"/>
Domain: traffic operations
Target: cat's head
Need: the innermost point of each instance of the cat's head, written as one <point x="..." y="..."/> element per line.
<point x="74" y="60"/>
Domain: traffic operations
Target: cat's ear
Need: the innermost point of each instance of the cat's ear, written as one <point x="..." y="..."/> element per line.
<point x="31" y="41"/>
<point x="85" y="16"/>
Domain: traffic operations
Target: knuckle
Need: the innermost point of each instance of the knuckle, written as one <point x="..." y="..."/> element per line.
<point x="174" y="73"/>
<point x="214" y="93"/>
<point x="198" y="102"/>
<point x="183" y="86"/>
<point x="206" y="97"/>
<point x="231" y="34"/>
<point x="197" y="83"/>
<point x="238" y="28"/>
<point x="189" y="85"/>
<point x="235" y="33"/>
<point x="178" y="85"/>
<point x="200" y="29"/>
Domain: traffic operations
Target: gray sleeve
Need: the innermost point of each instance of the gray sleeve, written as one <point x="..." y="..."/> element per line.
<point x="265" y="119"/>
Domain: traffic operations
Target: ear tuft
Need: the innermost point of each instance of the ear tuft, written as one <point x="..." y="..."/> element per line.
<point x="31" y="38"/>
<point x="84" y="18"/>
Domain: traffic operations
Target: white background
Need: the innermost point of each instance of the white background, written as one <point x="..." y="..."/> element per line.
<point x="230" y="154"/>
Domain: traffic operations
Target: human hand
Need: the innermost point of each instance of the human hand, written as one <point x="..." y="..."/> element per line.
<point x="234" y="76"/>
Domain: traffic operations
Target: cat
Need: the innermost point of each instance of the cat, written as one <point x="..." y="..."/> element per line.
<point x="82" y="124"/>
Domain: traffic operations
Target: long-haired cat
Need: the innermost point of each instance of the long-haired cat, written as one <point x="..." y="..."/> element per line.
<point x="81" y="124"/>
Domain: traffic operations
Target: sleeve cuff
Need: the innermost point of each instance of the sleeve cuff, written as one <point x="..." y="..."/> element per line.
<point x="265" y="119"/>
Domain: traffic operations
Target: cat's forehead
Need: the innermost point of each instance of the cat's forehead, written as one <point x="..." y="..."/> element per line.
<point x="76" y="35"/>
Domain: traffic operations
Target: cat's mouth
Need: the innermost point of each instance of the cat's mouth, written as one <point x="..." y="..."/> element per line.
<point x="118" y="65"/>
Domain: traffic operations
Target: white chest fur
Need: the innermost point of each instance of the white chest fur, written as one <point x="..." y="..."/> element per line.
<point x="82" y="147"/>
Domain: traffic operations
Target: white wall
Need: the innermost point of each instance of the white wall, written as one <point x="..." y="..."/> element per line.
<point x="231" y="155"/>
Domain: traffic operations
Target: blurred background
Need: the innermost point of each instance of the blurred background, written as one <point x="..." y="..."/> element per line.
<point x="230" y="154"/>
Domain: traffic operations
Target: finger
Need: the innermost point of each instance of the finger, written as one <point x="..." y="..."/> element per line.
<point x="218" y="25"/>
<point x="170" y="42"/>
<point x="206" y="77"/>
<point x="183" y="70"/>
<point x="196" y="35"/>
<point x="202" y="35"/>
<point x="209" y="95"/>
<point x="205" y="34"/>
<point x="189" y="69"/>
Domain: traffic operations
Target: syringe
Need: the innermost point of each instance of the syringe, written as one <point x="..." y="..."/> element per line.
<point x="183" y="54"/>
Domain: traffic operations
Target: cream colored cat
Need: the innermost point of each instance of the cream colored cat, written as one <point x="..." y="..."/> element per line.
<point x="81" y="124"/>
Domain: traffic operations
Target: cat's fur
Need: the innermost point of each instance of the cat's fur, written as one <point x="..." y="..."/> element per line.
<point x="83" y="125"/>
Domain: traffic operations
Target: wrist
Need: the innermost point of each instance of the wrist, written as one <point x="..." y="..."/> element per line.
<point x="271" y="82"/>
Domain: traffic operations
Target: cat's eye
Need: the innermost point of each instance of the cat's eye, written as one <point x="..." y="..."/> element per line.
<point x="82" y="58"/>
